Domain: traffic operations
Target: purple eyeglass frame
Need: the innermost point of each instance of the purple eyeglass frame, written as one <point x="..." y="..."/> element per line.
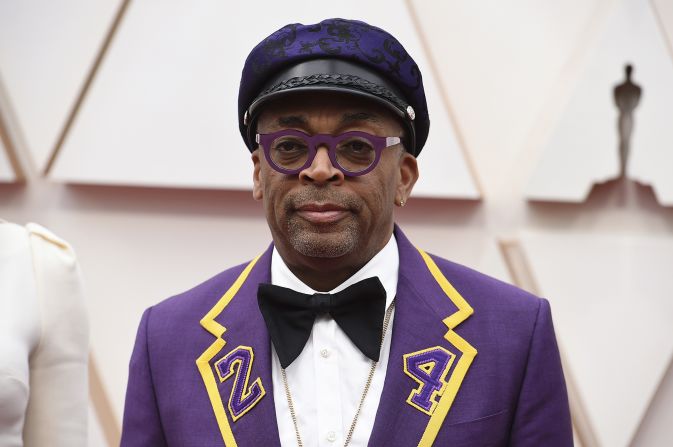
<point x="314" y="141"/>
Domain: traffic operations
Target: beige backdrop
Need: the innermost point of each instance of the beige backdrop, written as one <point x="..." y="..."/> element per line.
<point x="503" y="72"/>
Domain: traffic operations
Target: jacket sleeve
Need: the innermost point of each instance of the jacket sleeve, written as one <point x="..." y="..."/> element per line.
<point x="542" y="416"/>
<point x="58" y="364"/>
<point x="142" y="422"/>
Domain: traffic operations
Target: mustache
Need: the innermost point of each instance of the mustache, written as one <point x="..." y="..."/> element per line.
<point x="302" y="197"/>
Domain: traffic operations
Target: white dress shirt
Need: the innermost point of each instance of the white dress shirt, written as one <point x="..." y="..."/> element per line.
<point x="327" y="379"/>
<point x="43" y="341"/>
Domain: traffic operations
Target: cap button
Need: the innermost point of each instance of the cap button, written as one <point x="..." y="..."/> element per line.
<point x="411" y="113"/>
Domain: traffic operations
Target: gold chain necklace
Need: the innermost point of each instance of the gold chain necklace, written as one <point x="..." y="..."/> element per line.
<point x="370" y="376"/>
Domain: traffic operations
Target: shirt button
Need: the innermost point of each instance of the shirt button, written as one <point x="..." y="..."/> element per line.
<point x="324" y="354"/>
<point x="331" y="436"/>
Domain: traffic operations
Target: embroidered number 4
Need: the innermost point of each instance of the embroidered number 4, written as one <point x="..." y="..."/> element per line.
<point x="243" y="397"/>
<point x="429" y="367"/>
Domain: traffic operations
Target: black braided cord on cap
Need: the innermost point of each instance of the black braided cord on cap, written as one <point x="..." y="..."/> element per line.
<point x="350" y="81"/>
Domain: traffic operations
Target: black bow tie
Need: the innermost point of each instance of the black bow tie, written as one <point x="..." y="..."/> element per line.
<point x="289" y="316"/>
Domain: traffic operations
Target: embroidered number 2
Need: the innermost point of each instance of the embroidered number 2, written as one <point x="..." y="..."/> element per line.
<point x="429" y="367"/>
<point x="243" y="397"/>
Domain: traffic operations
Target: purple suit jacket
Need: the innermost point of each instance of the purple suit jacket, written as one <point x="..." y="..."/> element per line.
<point x="473" y="362"/>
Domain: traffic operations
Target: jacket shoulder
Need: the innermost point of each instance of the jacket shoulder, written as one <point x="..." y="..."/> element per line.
<point x="172" y="328"/>
<point x="484" y="291"/>
<point x="481" y="284"/>
<point x="193" y="304"/>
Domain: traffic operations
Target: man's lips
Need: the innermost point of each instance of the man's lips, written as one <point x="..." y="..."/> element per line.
<point x="322" y="212"/>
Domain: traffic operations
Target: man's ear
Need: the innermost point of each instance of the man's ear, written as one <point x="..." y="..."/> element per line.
<point x="408" y="175"/>
<point x="257" y="191"/>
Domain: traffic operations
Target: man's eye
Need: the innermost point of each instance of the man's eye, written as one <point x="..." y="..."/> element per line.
<point x="357" y="146"/>
<point x="289" y="146"/>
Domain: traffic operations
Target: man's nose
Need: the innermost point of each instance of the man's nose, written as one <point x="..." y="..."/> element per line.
<point x="321" y="169"/>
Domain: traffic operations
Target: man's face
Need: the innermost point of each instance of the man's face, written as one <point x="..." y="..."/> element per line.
<point x="320" y="214"/>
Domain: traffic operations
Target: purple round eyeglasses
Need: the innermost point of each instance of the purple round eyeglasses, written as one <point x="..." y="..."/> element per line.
<point x="354" y="153"/>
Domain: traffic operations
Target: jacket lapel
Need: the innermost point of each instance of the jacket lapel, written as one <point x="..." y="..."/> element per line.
<point x="236" y="367"/>
<point x="428" y="359"/>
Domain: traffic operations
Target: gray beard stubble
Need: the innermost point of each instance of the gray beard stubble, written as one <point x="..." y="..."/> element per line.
<point x="325" y="242"/>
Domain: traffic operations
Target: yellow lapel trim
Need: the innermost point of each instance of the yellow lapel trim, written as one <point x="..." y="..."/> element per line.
<point x="468" y="352"/>
<point x="203" y="362"/>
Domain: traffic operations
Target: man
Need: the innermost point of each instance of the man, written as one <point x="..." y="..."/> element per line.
<point x="343" y="333"/>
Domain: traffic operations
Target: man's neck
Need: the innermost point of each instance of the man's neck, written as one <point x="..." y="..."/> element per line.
<point x="322" y="275"/>
<point x="325" y="274"/>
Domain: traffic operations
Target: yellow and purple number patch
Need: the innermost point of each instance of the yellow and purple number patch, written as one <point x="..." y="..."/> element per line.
<point x="243" y="396"/>
<point x="429" y="368"/>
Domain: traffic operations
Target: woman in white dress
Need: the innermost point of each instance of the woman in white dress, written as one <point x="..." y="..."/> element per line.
<point x="44" y="339"/>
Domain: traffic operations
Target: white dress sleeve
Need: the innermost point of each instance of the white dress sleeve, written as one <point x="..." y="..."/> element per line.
<point x="19" y="330"/>
<point x="56" y="335"/>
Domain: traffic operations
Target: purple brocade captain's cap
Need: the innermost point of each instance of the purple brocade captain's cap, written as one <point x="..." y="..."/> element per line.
<point x="347" y="56"/>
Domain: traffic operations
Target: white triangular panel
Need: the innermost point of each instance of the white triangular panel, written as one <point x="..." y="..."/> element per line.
<point x="162" y="110"/>
<point x="583" y="147"/>
<point x="96" y="435"/>
<point x="7" y="174"/>
<point x="664" y="11"/>
<point x="46" y="51"/>
<point x="613" y="320"/>
<point x="652" y="162"/>
<point x="499" y="63"/>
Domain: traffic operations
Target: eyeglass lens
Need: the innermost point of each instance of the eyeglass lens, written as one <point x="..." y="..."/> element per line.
<point x="353" y="153"/>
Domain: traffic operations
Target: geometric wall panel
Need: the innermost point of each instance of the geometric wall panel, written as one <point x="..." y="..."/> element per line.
<point x="664" y="11"/>
<point x="46" y="51"/>
<point x="96" y="434"/>
<point x="613" y="320"/>
<point x="653" y="161"/>
<point x="104" y="426"/>
<point x="500" y="64"/>
<point x="161" y="110"/>
<point x="583" y="146"/>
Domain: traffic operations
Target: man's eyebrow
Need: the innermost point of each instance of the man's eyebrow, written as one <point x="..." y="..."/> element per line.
<point x="348" y="118"/>
<point x="292" y="121"/>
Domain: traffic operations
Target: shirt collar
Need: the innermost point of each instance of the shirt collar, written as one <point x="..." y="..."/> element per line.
<point x="385" y="264"/>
